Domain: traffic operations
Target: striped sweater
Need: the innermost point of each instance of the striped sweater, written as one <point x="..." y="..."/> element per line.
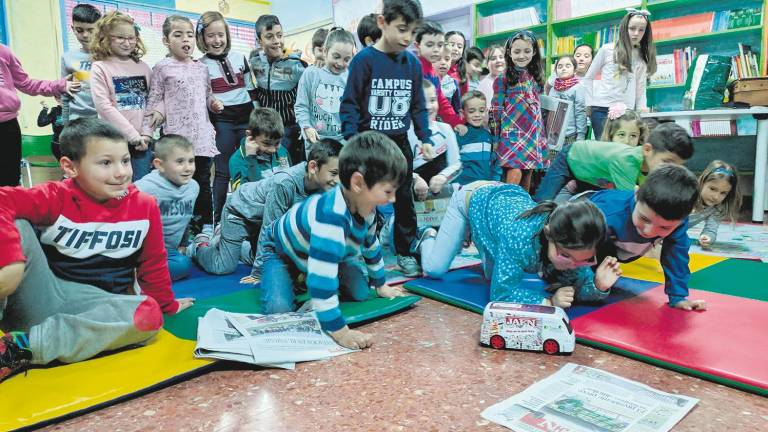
<point x="318" y="234"/>
<point x="232" y="84"/>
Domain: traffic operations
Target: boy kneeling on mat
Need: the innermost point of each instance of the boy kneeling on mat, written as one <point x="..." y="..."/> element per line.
<point x="71" y="291"/>
<point x="639" y="220"/>
<point x="323" y="237"/>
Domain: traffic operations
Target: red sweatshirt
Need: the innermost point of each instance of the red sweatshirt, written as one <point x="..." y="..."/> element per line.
<point x="108" y="245"/>
<point x="445" y="109"/>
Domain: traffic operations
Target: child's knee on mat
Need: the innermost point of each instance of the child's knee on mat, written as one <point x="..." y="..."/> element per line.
<point x="148" y="315"/>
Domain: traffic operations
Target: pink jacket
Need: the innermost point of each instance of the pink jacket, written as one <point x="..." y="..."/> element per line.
<point x="120" y="89"/>
<point x="13" y="77"/>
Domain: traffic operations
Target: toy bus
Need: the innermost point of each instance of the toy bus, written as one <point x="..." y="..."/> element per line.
<point x="527" y="327"/>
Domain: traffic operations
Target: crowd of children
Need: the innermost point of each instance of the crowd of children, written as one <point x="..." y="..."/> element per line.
<point x="310" y="154"/>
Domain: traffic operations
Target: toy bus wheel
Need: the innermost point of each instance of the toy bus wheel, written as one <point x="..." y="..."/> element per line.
<point x="551" y="346"/>
<point x="498" y="342"/>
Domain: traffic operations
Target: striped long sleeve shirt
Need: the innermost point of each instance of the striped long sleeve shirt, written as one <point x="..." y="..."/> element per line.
<point x="318" y="234"/>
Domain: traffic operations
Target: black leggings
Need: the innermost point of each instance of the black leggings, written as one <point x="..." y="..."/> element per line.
<point x="10" y="163"/>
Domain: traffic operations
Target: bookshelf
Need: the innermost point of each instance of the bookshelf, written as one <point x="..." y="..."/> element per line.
<point x="667" y="97"/>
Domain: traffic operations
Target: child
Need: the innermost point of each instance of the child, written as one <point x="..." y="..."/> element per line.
<point x="624" y="126"/>
<point x="120" y="83"/>
<point x="445" y="165"/>
<point x="568" y="87"/>
<point x="172" y="183"/>
<point x="12" y="78"/>
<point x="429" y="43"/>
<point x="258" y="204"/>
<point x="71" y="292"/>
<point x="719" y="197"/>
<point x="368" y="32"/>
<point x="320" y="90"/>
<point x="323" y="237"/>
<point x="260" y="154"/>
<point x="514" y="235"/>
<point x="474" y="63"/>
<point x="583" y="55"/>
<point x="318" y="41"/>
<point x="179" y="99"/>
<point x="515" y="117"/>
<point x="610" y="166"/>
<point x="624" y="67"/>
<point x="53" y="118"/>
<point x="448" y="85"/>
<point x="78" y="62"/>
<point x="639" y="220"/>
<point x="497" y="65"/>
<point x="456" y="42"/>
<point x="478" y="160"/>
<point x="277" y="79"/>
<point x="231" y="83"/>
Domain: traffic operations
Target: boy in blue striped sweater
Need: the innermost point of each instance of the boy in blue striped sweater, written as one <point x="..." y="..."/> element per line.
<point x="320" y="240"/>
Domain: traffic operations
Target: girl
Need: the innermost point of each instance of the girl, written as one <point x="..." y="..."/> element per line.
<point x="624" y="126"/>
<point x="320" y="89"/>
<point x="583" y="55"/>
<point x="456" y="42"/>
<point x="120" y="83"/>
<point x="719" y="197"/>
<point x="474" y="63"/>
<point x="624" y="67"/>
<point x="448" y="84"/>
<point x="568" y="87"/>
<point x="515" y="117"/>
<point x="179" y="99"/>
<point x="445" y="164"/>
<point x="497" y="64"/>
<point x="515" y="236"/>
<point x="231" y="83"/>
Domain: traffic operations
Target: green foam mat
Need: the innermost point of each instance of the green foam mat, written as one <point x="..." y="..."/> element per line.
<point x="739" y="278"/>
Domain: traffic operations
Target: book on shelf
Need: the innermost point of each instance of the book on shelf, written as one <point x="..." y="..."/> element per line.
<point x="565" y="9"/>
<point x="713" y="128"/>
<point x="514" y="19"/>
<point x="708" y="22"/>
<point x="673" y="68"/>
<point x="744" y="64"/>
<point x="566" y="44"/>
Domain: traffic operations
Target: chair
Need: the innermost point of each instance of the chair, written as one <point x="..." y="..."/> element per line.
<point x="37" y="147"/>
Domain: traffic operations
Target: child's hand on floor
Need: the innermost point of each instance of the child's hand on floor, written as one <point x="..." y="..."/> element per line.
<point x="185" y="303"/>
<point x="691" y="305"/>
<point x="563" y="297"/>
<point x="352" y="339"/>
<point x="389" y="292"/>
<point x="437" y="182"/>
<point x="420" y="188"/>
<point x="311" y="135"/>
<point x="607" y="273"/>
<point x="705" y="241"/>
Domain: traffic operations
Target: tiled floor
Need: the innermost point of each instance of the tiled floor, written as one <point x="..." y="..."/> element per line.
<point x="425" y="373"/>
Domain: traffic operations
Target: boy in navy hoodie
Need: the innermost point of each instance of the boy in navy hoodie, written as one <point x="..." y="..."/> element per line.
<point x="384" y="93"/>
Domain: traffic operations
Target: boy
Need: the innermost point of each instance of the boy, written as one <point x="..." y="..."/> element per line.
<point x="430" y="41"/>
<point x="478" y="160"/>
<point x="639" y="220"/>
<point x="607" y="165"/>
<point x="99" y="238"/>
<point x="323" y="238"/>
<point x="171" y="183"/>
<point x="256" y="205"/>
<point x="368" y="31"/>
<point x="318" y="41"/>
<point x="260" y="154"/>
<point x="384" y="93"/>
<point x="448" y="84"/>
<point x="277" y="77"/>
<point x="78" y="64"/>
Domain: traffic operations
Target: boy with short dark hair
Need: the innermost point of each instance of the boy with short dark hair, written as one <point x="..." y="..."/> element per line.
<point x="639" y="220"/>
<point x="430" y="41"/>
<point x="606" y="165"/>
<point x="171" y="183"/>
<point x="318" y="41"/>
<point x="78" y="63"/>
<point x="478" y="160"/>
<point x="368" y="32"/>
<point x="260" y="154"/>
<point x="384" y="93"/>
<point x="256" y="205"/>
<point x="100" y="238"/>
<point x="323" y="237"/>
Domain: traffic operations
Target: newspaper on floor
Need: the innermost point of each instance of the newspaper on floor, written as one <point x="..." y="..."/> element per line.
<point x="578" y="398"/>
<point x="278" y="340"/>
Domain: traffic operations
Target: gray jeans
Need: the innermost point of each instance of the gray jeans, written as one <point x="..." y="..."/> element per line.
<point x="225" y="251"/>
<point x="69" y="321"/>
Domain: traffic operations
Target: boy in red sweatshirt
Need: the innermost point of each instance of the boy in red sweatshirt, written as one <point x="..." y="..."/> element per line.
<point x="82" y="264"/>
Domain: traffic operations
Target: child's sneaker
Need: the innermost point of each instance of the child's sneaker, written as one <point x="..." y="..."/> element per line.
<point x="200" y="240"/>
<point x="422" y="234"/>
<point x="15" y="354"/>
<point x="409" y="267"/>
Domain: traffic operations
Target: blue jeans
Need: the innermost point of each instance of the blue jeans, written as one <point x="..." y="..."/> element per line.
<point x="278" y="283"/>
<point x="294" y="144"/>
<point x="141" y="162"/>
<point x="557" y="176"/>
<point x="438" y="253"/>
<point x="598" y="116"/>
<point x="228" y="138"/>
<point x="179" y="265"/>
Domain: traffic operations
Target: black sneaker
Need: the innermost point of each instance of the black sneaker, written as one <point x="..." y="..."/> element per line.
<point x="15" y="354"/>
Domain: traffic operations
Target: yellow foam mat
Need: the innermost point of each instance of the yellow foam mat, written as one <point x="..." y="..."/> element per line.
<point x="47" y="393"/>
<point x="649" y="269"/>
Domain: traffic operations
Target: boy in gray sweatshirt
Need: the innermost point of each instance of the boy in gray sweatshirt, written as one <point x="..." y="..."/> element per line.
<point x="78" y="64"/>
<point x="257" y="204"/>
<point x="171" y="183"/>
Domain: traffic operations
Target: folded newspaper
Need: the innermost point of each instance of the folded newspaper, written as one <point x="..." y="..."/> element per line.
<point x="278" y="340"/>
<point x="578" y="398"/>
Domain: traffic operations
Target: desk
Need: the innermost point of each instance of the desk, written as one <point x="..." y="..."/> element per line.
<point x="761" y="153"/>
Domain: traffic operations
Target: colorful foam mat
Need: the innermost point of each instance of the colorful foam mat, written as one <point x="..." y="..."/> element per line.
<point x="725" y="344"/>
<point x="49" y="394"/>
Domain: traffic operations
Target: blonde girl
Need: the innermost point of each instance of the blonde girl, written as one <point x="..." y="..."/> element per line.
<point x="719" y="198"/>
<point x="496" y="63"/>
<point x="624" y="126"/>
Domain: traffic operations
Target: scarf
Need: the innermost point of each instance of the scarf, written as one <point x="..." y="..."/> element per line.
<point x="563" y="84"/>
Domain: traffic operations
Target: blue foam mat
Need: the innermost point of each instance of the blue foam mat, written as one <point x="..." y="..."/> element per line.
<point x="202" y="285"/>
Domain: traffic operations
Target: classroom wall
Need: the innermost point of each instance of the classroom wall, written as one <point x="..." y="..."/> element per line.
<point x="247" y="10"/>
<point x="311" y="12"/>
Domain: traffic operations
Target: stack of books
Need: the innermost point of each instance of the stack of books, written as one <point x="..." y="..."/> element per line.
<point x="708" y="22"/>
<point x="673" y="68"/>
<point x="737" y="18"/>
<point x="515" y="19"/>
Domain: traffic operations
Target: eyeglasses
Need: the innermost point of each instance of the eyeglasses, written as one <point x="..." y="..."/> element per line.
<point x="579" y="263"/>
<point x="121" y="39"/>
